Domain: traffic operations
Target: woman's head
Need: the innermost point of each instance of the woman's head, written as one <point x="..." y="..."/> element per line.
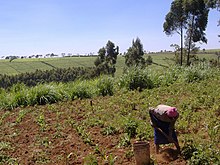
<point x="172" y="112"/>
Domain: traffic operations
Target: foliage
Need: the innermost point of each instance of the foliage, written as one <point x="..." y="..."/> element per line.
<point x="188" y="149"/>
<point x="54" y="75"/>
<point x="107" y="58"/>
<point x="133" y="79"/>
<point x="105" y="86"/>
<point x="197" y="13"/>
<point x="136" y="79"/>
<point x="81" y="90"/>
<point x="90" y="160"/>
<point x="131" y="128"/>
<point x="149" y="60"/>
<point x="189" y="15"/>
<point x="134" y="55"/>
<point x="195" y="73"/>
<point x="110" y="130"/>
<point x="43" y="94"/>
<point x="199" y="154"/>
<point x="122" y="117"/>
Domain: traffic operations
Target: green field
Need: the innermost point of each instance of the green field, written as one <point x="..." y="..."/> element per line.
<point x="30" y="65"/>
<point x="97" y="121"/>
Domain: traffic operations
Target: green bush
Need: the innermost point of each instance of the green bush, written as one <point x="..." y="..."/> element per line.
<point x="188" y="149"/>
<point x="166" y="77"/>
<point x="20" y="98"/>
<point x="81" y="90"/>
<point x="197" y="73"/>
<point x="43" y="94"/>
<point x="199" y="158"/>
<point x="105" y="86"/>
<point x="136" y="79"/>
<point x="131" y="128"/>
<point x="200" y="154"/>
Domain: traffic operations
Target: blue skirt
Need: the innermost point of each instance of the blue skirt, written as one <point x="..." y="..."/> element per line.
<point x="159" y="138"/>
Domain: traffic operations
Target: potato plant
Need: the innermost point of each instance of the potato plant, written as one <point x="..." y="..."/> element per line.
<point x="80" y="122"/>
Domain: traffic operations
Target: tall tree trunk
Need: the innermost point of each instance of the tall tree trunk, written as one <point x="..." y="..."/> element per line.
<point x="181" y="49"/>
<point x="190" y="41"/>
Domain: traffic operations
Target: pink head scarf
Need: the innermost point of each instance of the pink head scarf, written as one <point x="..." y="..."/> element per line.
<point x="172" y="112"/>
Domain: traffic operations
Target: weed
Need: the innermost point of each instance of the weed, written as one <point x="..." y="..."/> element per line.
<point x="81" y="90"/>
<point x="125" y="141"/>
<point x="41" y="157"/>
<point x="188" y="149"/>
<point x="97" y="150"/>
<point x="21" y="115"/>
<point x="110" y="159"/>
<point x="109" y="130"/>
<point x="5" y="115"/>
<point x="43" y="94"/>
<point x="90" y="160"/>
<point x="85" y="136"/>
<point x="131" y="128"/>
<point x="46" y="142"/>
<point x="129" y="154"/>
<point x="41" y="122"/>
<point x="5" y="146"/>
<point x="105" y="86"/>
<point x="136" y="79"/>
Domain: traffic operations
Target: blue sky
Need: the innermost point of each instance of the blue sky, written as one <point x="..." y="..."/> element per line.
<point x="82" y="26"/>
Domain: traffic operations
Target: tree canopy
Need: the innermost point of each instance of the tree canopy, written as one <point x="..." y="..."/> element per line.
<point x="107" y="58"/>
<point x="134" y="55"/>
<point x="189" y="15"/>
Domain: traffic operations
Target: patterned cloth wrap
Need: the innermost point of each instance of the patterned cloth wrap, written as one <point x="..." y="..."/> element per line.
<point x="159" y="138"/>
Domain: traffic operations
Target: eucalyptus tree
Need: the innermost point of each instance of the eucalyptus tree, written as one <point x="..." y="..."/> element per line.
<point x="175" y="21"/>
<point x="107" y="58"/>
<point x="111" y="53"/>
<point x="135" y="53"/>
<point x="197" y="19"/>
<point x="191" y="15"/>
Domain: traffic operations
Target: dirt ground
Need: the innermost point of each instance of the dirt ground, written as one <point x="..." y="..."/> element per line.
<point x="60" y="144"/>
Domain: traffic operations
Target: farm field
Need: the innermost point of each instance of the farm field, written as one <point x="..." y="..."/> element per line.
<point x="98" y="129"/>
<point x="30" y="65"/>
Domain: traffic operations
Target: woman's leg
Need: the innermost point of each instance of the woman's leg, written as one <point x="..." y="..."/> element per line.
<point x="157" y="148"/>
<point x="177" y="146"/>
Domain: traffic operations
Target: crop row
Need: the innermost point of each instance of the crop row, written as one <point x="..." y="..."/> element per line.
<point x="133" y="79"/>
<point x="193" y="90"/>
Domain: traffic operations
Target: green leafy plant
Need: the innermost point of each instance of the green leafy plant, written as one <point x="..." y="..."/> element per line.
<point x="131" y="128"/>
<point x="188" y="149"/>
<point x="21" y="115"/>
<point x="90" y="160"/>
<point x="43" y="94"/>
<point x="109" y="130"/>
<point x="81" y="90"/>
<point x="125" y="141"/>
<point x="41" y="122"/>
<point x="136" y="79"/>
<point x="5" y="115"/>
<point x="105" y="86"/>
<point x="85" y="136"/>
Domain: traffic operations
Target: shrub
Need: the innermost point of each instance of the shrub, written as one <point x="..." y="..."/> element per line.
<point x="196" y="73"/>
<point x="188" y="149"/>
<point x="136" y="79"/>
<point x="81" y="90"/>
<point x="199" y="158"/>
<point x="20" y="98"/>
<point x="105" y="86"/>
<point x="131" y="128"/>
<point x="43" y="94"/>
